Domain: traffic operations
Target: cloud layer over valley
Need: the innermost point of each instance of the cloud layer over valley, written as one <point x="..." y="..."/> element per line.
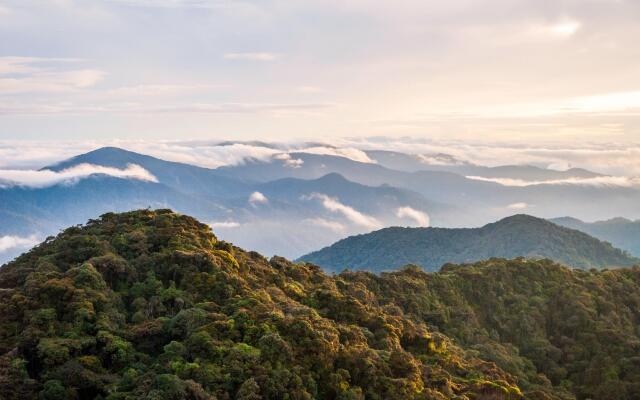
<point x="44" y="178"/>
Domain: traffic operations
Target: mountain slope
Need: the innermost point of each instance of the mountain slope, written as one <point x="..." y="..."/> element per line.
<point x="539" y="321"/>
<point x="184" y="177"/>
<point x="150" y="305"/>
<point x="516" y="236"/>
<point x="484" y="201"/>
<point x="620" y="232"/>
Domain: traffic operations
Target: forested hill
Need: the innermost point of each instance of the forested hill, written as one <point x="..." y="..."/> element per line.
<point x="537" y="320"/>
<point x="430" y="248"/>
<point x="149" y="305"/>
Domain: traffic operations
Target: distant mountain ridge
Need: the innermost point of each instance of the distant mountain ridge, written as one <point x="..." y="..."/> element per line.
<point x="621" y="232"/>
<point x="295" y="220"/>
<point x="517" y="236"/>
<point x="446" y="162"/>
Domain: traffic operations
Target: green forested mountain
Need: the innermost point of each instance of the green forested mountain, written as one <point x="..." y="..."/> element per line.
<point x="150" y="305"/>
<point x="430" y="248"/>
<point x="537" y="320"/>
<point x="621" y="232"/>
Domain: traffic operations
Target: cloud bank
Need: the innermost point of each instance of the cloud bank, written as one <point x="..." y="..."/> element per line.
<point x="419" y="217"/>
<point x="46" y="178"/>
<point x="599" y="181"/>
<point x="335" y="206"/>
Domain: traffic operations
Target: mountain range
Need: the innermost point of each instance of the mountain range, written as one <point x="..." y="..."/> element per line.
<point x="151" y="305"/>
<point x="296" y="201"/>
<point x="621" y="232"/>
<point x="430" y="248"/>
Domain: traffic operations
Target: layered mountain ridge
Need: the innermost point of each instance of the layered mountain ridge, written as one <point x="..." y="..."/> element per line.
<point x="516" y="236"/>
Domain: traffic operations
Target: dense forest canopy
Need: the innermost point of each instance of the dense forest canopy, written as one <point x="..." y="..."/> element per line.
<point x="516" y="236"/>
<point x="150" y="305"/>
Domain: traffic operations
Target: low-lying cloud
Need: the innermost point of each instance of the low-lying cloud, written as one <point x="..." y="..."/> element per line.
<point x="518" y="206"/>
<point x="419" y="217"/>
<point x="610" y="159"/>
<point x="333" y="205"/>
<point x="46" y="178"/>
<point x="10" y="242"/>
<point x="257" y="198"/>
<point x="598" y="181"/>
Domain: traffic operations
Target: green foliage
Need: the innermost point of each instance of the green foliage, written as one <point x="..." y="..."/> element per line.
<point x="149" y="305"/>
<point x="561" y="332"/>
<point x="430" y="248"/>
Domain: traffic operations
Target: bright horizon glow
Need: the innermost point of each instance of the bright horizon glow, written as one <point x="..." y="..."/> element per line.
<point x="278" y="70"/>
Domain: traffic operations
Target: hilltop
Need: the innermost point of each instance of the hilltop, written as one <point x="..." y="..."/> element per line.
<point x="517" y="236"/>
<point x="151" y="305"/>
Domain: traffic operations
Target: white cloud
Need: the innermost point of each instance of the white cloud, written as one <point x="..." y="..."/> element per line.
<point x="351" y="153"/>
<point x="45" y="178"/>
<point x="518" y="206"/>
<point x="612" y="158"/>
<point x="334" y="226"/>
<point x="615" y="159"/>
<point x="33" y="75"/>
<point x="174" y="3"/>
<point x="160" y="89"/>
<point x="223" y="224"/>
<point x="334" y="205"/>
<point x="419" y="217"/>
<point x="251" y="56"/>
<point x="257" y="198"/>
<point x="599" y="181"/>
<point x="288" y="160"/>
<point x="17" y="242"/>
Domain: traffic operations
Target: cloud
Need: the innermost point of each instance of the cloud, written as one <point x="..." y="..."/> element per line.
<point x="518" y="206"/>
<point x="334" y="205"/>
<point x="224" y="224"/>
<point x="139" y="109"/>
<point x="17" y="242"/>
<point x="350" y="153"/>
<point x="45" y="178"/>
<point x="160" y="89"/>
<point x="33" y="75"/>
<point x="251" y="56"/>
<point x="611" y="158"/>
<point x="175" y="3"/>
<point x="257" y="198"/>
<point x="334" y="226"/>
<point x="419" y="217"/>
<point x="608" y="157"/>
<point x="599" y="181"/>
<point x="288" y="160"/>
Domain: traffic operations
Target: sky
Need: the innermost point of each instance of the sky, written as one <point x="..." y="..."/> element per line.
<point x="489" y="71"/>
